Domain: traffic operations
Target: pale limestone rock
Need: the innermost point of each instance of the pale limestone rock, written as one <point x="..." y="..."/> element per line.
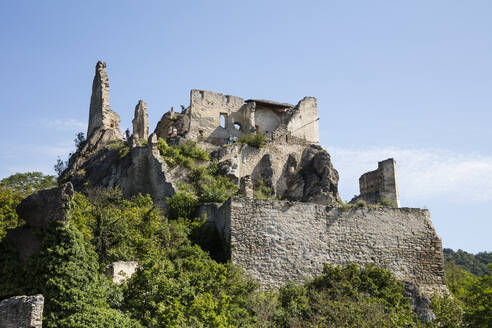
<point x="121" y="271"/>
<point x="22" y="312"/>
<point x="140" y="122"/>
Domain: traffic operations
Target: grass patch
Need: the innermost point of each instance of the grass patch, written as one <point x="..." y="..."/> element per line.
<point x="388" y="203"/>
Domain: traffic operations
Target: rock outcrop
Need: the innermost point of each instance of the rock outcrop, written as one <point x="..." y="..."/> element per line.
<point x="140" y="122"/>
<point x="22" y="312"/>
<point x="38" y="211"/>
<point x="46" y="205"/>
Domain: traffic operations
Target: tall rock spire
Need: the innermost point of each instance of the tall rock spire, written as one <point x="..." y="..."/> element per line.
<point x="141" y="122"/>
<point x="101" y="117"/>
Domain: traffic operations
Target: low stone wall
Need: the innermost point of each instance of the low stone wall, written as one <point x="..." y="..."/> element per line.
<point x="22" y="312"/>
<point x="280" y="241"/>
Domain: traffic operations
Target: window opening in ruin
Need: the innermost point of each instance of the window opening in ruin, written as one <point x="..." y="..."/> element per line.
<point x="237" y="126"/>
<point x="226" y="99"/>
<point x="223" y="118"/>
<point x="201" y="94"/>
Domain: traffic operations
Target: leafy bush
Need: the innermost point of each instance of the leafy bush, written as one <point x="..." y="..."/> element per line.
<point x="448" y="311"/>
<point x="254" y="140"/>
<point x="210" y="186"/>
<point x="183" y="154"/>
<point x="345" y="297"/>
<point x="182" y="205"/>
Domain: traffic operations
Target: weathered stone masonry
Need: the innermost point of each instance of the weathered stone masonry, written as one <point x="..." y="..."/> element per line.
<point x="280" y="241"/>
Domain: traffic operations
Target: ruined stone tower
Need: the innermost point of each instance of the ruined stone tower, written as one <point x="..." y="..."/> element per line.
<point x="101" y="117"/>
<point x="379" y="185"/>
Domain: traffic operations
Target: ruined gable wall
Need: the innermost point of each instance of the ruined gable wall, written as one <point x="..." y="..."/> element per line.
<point x="279" y="241"/>
<point x="206" y="108"/>
<point x="267" y="120"/>
<point x="304" y="121"/>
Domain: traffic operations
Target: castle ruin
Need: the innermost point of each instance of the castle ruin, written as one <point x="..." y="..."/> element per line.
<point x="288" y="237"/>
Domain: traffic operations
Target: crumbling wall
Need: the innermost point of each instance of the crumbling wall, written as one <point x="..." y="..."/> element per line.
<point x="22" y="312"/>
<point x="303" y="123"/>
<point x="281" y="241"/>
<point x="380" y="184"/>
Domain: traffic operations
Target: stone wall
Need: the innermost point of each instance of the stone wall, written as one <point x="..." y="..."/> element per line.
<point x="379" y="184"/>
<point x="280" y="241"/>
<point x="22" y="312"/>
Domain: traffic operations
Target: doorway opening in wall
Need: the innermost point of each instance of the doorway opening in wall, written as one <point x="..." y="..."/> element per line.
<point x="237" y="126"/>
<point x="223" y="119"/>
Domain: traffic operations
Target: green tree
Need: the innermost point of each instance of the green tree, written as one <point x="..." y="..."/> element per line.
<point x="478" y="301"/>
<point x="121" y="229"/>
<point x="9" y="199"/>
<point x="28" y="182"/>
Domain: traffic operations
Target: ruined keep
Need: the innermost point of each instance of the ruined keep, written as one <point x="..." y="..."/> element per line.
<point x="379" y="185"/>
<point x="303" y="225"/>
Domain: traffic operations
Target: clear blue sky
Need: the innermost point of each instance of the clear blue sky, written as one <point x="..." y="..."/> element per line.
<point x="405" y="79"/>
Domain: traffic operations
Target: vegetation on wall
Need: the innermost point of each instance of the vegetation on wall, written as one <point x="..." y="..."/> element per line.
<point x="183" y="154"/>
<point x="256" y="140"/>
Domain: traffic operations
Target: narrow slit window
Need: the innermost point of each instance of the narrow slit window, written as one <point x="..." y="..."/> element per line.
<point x="223" y="119"/>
